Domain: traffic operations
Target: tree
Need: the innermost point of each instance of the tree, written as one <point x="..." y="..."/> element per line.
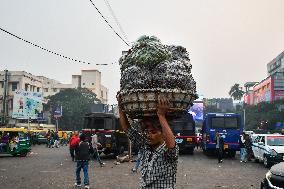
<point x="75" y="104"/>
<point x="264" y="115"/>
<point x="236" y="92"/>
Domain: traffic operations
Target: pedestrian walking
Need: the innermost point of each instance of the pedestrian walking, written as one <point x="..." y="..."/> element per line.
<point x="74" y="141"/>
<point x="48" y="138"/>
<point x="51" y="142"/>
<point x="56" y="140"/>
<point x="248" y="147"/>
<point x="159" y="159"/>
<point x="95" y="145"/>
<point x="82" y="157"/>
<point x="219" y="146"/>
<point x="138" y="160"/>
<point x="243" y="150"/>
<point x="64" y="139"/>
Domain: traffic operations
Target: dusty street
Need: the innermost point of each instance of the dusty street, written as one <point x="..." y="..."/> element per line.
<point x="52" y="168"/>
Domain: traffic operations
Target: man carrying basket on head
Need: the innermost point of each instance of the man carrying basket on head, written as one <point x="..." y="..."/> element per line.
<point x="160" y="152"/>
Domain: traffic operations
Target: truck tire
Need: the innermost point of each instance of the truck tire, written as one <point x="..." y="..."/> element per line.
<point x="191" y="151"/>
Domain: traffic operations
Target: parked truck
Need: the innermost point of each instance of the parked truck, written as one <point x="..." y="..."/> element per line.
<point x="107" y="127"/>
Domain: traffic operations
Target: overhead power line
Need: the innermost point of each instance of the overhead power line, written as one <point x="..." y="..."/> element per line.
<point x="47" y="50"/>
<point x="108" y="23"/>
<point x="116" y="20"/>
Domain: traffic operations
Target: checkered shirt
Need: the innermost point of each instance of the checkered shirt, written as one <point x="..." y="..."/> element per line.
<point x="159" y="166"/>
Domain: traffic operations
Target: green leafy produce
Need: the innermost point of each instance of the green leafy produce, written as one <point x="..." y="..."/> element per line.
<point x="146" y="52"/>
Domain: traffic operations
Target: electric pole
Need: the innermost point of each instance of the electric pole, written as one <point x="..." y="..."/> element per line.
<point x="5" y="94"/>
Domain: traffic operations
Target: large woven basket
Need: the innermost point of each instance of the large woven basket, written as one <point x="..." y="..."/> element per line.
<point x="138" y="103"/>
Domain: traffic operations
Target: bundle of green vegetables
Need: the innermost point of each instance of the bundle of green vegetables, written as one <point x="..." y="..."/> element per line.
<point x="151" y="65"/>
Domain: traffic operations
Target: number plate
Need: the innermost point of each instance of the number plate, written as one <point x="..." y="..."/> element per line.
<point x="189" y="139"/>
<point x="226" y="146"/>
<point x="108" y="145"/>
<point x="179" y="140"/>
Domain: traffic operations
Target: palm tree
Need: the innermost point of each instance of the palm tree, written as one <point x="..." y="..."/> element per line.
<point x="236" y="92"/>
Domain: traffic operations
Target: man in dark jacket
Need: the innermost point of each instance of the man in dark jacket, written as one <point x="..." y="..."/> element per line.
<point x="219" y="146"/>
<point x="82" y="156"/>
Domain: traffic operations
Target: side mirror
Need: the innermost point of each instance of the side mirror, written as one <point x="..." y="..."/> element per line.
<point x="260" y="143"/>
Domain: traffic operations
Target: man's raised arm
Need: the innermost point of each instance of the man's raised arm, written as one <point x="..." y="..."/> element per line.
<point x="122" y="116"/>
<point x="166" y="130"/>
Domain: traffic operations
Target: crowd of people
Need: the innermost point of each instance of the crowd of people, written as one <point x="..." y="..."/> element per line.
<point x="245" y="142"/>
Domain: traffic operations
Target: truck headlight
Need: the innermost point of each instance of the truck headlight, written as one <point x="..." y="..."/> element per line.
<point x="268" y="175"/>
<point x="273" y="153"/>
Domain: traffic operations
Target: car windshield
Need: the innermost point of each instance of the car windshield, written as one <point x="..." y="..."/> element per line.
<point x="275" y="140"/>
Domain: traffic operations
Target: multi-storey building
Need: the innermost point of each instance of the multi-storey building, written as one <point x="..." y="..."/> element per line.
<point x="17" y="80"/>
<point x="276" y="65"/>
<point x="270" y="88"/>
<point x="249" y="94"/>
<point x="51" y="86"/>
<point x="90" y="79"/>
<point x="26" y="82"/>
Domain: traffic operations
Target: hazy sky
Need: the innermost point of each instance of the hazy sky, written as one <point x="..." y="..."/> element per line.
<point x="229" y="41"/>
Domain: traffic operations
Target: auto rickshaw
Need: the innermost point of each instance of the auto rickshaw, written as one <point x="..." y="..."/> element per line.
<point x="17" y="142"/>
<point x="38" y="136"/>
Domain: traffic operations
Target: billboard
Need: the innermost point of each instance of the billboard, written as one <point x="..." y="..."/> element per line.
<point x="27" y="105"/>
<point x="197" y="109"/>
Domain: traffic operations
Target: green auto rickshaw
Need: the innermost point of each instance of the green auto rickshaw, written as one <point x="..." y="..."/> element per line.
<point x="14" y="141"/>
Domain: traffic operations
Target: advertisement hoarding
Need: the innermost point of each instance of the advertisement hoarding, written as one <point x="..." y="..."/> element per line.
<point x="197" y="109"/>
<point x="27" y="105"/>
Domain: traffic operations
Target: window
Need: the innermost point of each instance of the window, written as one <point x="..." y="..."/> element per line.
<point x="26" y="87"/>
<point x="45" y="90"/>
<point x="217" y="122"/>
<point x="262" y="140"/>
<point x="14" y="86"/>
<point x="54" y="90"/>
<point x="2" y="84"/>
<point x="221" y="122"/>
<point x="231" y="123"/>
<point x="92" y="83"/>
<point x="83" y="83"/>
<point x="11" y="104"/>
<point x="37" y="90"/>
<point x="275" y="140"/>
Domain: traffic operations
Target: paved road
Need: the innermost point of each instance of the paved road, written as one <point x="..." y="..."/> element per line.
<point x="52" y="168"/>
